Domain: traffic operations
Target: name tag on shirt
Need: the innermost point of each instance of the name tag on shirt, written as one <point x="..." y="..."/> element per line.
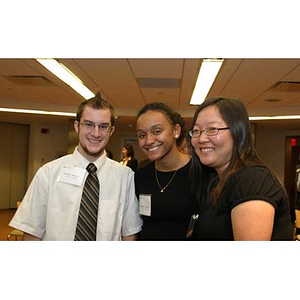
<point x="72" y="175"/>
<point x="145" y="205"/>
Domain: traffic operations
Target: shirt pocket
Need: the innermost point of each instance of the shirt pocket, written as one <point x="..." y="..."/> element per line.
<point x="110" y="217"/>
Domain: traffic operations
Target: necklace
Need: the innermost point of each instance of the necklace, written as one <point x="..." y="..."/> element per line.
<point x="163" y="188"/>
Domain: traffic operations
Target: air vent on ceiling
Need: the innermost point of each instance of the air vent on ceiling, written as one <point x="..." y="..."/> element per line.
<point x="170" y="83"/>
<point x="29" y="80"/>
<point x="287" y="86"/>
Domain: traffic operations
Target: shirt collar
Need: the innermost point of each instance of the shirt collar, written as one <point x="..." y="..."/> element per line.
<point x="80" y="160"/>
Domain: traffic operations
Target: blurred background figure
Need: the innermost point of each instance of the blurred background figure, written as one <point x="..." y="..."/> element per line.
<point x="183" y="147"/>
<point x="128" y="158"/>
<point x="297" y="203"/>
<point x="109" y="154"/>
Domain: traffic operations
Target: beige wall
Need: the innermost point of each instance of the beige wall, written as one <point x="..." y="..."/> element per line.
<point x="44" y="147"/>
<point x="62" y="139"/>
<point x="270" y="144"/>
<point x="13" y="163"/>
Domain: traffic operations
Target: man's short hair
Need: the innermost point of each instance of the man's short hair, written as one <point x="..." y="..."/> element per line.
<point x="96" y="102"/>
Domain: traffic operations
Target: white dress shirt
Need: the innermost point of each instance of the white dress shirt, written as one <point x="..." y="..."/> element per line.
<point x="49" y="209"/>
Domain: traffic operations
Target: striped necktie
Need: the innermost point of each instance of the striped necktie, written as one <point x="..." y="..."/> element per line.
<point x="87" y="219"/>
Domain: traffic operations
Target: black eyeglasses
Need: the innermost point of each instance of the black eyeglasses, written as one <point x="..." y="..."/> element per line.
<point x="210" y="131"/>
<point x="103" y="127"/>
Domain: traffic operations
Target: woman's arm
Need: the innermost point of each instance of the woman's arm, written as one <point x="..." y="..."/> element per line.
<point x="29" y="237"/>
<point x="130" y="237"/>
<point x="253" y="221"/>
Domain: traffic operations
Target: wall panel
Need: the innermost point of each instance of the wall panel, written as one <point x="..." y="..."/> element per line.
<point x="13" y="163"/>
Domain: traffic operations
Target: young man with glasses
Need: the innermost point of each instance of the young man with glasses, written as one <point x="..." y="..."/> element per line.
<point x="52" y="205"/>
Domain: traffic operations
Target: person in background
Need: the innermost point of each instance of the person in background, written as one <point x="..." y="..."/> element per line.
<point x="297" y="203"/>
<point x="51" y="205"/>
<point x="128" y="158"/>
<point x="241" y="198"/>
<point x="184" y="147"/>
<point x="109" y="154"/>
<point x="162" y="186"/>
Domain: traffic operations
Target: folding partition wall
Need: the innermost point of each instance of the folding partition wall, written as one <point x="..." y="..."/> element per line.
<point x="14" y="141"/>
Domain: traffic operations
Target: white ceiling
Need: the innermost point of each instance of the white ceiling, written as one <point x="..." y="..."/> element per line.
<point x="131" y="83"/>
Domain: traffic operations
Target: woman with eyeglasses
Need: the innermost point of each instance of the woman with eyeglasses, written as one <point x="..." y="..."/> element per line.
<point x="240" y="197"/>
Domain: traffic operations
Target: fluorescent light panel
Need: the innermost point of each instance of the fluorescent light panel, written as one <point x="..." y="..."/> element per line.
<point x="207" y="74"/>
<point x="263" y="118"/>
<point x="64" y="74"/>
<point x="38" y="112"/>
<point x="69" y="114"/>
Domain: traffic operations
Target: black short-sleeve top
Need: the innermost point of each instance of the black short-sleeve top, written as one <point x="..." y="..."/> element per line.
<point x="250" y="183"/>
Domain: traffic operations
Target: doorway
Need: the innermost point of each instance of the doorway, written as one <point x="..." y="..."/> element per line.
<point x="14" y="145"/>
<point x="292" y="159"/>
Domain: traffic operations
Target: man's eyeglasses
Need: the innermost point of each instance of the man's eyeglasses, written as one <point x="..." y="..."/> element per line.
<point x="103" y="127"/>
<point x="210" y="131"/>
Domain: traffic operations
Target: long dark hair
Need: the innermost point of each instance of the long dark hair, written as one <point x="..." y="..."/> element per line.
<point x="172" y="116"/>
<point x="130" y="151"/>
<point x="235" y="115"/>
